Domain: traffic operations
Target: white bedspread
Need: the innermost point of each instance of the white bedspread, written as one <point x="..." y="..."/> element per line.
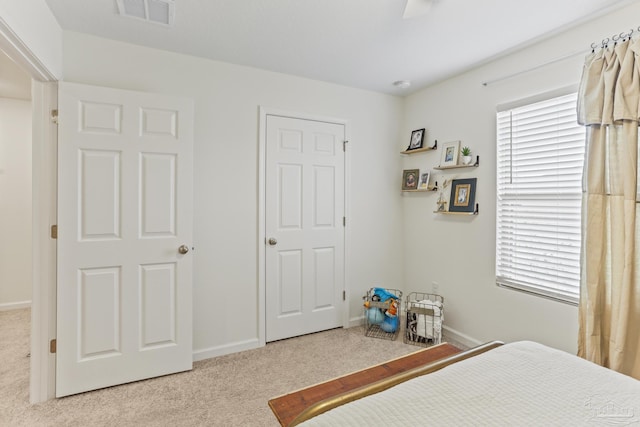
<point x="518" y="384"/>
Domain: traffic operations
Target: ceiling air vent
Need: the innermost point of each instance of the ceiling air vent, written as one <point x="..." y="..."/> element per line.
<point x="157" y="11"/>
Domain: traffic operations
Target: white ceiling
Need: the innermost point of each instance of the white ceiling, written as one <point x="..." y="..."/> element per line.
<point x="358" y="43"/>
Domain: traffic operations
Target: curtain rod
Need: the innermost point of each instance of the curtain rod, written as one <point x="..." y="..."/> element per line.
<point x="614" y="38"/>
<point x="605" y="43"/>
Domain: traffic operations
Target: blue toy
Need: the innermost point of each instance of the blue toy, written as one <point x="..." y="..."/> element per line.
<point x="375" y="316"/>
<point x="390" y="324"/>
<point x="383" y="294"/>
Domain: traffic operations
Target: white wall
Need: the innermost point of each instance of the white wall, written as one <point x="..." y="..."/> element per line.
<point x="15" y="203"/>
<point x="459" y="253"/>
<point x="35" y="26"/>
<point x="227" y="98"/>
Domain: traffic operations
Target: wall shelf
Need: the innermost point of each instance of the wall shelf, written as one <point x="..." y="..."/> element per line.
<point x="422" y="190"/>
<point x="421" y="150"/>
<point x="475" y="165"/>
<point x="475" y="212"/>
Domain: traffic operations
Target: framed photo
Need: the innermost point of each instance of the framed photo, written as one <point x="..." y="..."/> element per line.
<point x="424" y="180"/>
<point x="417" y="139"/>
<point x="463" y="195"/>
<point x="449" y="154"/>
<point x="410" y="179"/>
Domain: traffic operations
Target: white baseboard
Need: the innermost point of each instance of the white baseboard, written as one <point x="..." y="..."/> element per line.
<point x="460" y="337"/>
<point x="15" y="305"/>
<point x="223" y="350"/>
<point x="356" y="321"/>
<point x="251" y="344"/>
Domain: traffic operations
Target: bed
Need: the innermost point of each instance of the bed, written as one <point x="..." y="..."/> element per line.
<point x="522" y="383"/>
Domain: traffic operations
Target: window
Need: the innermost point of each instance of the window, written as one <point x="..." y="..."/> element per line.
<point x="539" y="191"/>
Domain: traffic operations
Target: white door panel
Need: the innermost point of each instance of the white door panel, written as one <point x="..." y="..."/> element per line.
<point x="124" y="207"/>
<point x="304" y="209"/>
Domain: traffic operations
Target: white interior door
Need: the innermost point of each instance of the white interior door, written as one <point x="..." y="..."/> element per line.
<point x="124" y="210"/>
<point x="304" y="210"/>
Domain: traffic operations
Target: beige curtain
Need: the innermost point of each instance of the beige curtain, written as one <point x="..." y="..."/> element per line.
<point x="609" y="311"/>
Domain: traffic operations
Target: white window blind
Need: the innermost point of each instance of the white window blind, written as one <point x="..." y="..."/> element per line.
<point x="539" y="190"/>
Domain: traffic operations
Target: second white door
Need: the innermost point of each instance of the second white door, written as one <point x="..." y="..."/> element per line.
<point x="304" y="211"/>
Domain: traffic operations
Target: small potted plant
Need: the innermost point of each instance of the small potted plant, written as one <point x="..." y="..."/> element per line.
<point x="466" y="155"/>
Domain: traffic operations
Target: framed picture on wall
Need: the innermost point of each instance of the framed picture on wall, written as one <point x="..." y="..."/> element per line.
<point x="449" y="154"/>
<point x="417" y="139"/>
<point x="424" y="180"/>
<point x="463" y="195"/>
<point x="410" y="179"/>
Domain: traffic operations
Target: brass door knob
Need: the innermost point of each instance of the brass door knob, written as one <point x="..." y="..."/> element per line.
<point x="183" y="249"/>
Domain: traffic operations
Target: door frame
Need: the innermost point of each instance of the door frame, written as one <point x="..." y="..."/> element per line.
<point x="42" y="383"/>
<point x="44" y="206"/>
<point x="262" y="158"/>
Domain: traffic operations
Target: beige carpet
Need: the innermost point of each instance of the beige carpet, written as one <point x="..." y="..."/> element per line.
<point x="226" y="391"/>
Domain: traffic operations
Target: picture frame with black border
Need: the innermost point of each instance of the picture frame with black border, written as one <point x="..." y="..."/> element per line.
<point x="417" y="139"/>
<point x="410" y="178"/>
<point x="463" y="195"/>
<point x="449" y="154"/>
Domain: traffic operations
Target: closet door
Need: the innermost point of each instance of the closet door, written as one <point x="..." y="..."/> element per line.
<point x="304" y="210"/>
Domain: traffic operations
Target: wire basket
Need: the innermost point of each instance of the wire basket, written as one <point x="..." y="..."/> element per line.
<point x="424" y="317"/>
<point x="382" y="313"/>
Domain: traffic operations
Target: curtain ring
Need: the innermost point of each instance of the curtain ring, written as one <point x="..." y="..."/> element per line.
<point x="593" y="47"/>
<point x="605" y="42"/>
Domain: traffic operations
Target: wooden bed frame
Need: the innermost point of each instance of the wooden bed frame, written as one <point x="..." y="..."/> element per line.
<point x="294" y="408"/>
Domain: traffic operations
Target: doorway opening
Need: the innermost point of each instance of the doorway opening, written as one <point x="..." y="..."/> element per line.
<point x="15" y="186"/>
<point x="40" y="86"/>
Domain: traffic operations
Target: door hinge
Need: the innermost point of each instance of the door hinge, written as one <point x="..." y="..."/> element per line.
<point x="344" y="295"/>
<point x="344" y="221"/>
<point x="53" y="345"/>
<point x="54" y="116"/>
<point x="54" y="231"/>
<point x="344" y="145"/>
